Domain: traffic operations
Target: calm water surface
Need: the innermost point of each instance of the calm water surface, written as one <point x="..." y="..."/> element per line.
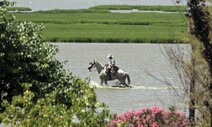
<point x="79" y="4"/>
<point x="139" y="60"/>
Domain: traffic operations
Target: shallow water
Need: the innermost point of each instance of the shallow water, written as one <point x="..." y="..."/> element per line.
<point x="139" y="60"/>
<point x="79" y="4"/>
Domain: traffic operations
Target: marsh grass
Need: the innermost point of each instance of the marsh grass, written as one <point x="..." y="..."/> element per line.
<point x="139" y="7"/>
<point x="103" y="26"/>
<point x="111" y="33"/>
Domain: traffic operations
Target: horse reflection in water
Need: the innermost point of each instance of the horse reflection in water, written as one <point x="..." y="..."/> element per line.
<point x="120" y="75"/>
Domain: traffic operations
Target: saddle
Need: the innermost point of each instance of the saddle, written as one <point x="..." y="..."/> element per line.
<point x="111" y="71"/>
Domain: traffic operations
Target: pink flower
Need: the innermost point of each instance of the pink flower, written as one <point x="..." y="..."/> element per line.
<point x="156" y="110"/>
<point x="147" y="117"/>
<point x="154" y="124"/>
<point x="142" y="110"/>
<point x="176" y="113"/>
<point x="184" y="123"/>
<point x="140" y="125"/>
<point x="145" y="120"/>
<point x="183" y="114"/>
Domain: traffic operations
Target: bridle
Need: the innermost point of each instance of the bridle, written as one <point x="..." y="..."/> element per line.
<point x="91" y="65"/>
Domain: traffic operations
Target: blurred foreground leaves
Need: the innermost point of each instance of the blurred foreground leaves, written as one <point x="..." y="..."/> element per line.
<point x="35" y="89"/>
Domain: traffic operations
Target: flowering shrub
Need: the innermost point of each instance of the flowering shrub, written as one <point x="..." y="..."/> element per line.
<point x="154" y="117"/>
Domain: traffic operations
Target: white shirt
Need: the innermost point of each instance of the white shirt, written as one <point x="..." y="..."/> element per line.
<point x="111" y="62"/>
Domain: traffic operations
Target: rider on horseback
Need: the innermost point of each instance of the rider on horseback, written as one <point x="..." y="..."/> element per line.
<point x="111" y="60"/>
<point x="111" y="69"/>
<point x="120" y="75"/>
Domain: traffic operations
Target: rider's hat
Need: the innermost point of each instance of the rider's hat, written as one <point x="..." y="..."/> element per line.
<point x="110" y="56"/>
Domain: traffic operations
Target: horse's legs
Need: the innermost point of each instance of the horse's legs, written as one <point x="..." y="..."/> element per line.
<point x="101" y="82"/>
<point x="123" y="82"/>
<point x="106" y="82"/>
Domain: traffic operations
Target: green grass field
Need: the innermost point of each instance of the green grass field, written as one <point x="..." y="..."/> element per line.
<point x="99" y="25"/>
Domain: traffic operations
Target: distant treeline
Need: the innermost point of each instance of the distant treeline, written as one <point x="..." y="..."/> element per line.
<point x="19" y="9"/>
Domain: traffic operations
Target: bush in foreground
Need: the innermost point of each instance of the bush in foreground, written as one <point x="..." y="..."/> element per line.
<point x="35" y="89"/>
<point x="154" y="117"/>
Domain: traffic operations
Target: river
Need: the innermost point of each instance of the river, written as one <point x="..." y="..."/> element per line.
<point x="139" y="60"/>
<point x="83" y="4"/>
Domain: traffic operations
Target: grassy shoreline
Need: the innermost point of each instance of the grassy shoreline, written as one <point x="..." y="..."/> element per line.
<point x="141" y="7"/>
<point x="18" y="9"/>
<point x="97" y="24"/>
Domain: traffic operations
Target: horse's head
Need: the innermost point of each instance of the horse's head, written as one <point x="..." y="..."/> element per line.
<point x="91" y="65"/>
<point x="95" y="64"/>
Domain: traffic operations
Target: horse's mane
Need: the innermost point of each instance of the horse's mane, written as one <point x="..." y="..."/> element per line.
<point x="99" y="63"/>
<point x="96" y="61"/>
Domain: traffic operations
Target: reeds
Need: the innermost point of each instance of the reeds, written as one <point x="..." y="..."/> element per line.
<point x="103" y="26"/>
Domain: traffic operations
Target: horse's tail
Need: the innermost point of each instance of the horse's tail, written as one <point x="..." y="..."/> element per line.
<point x="128" y="78"/>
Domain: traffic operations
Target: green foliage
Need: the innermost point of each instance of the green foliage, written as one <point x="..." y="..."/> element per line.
<point x="109" y="27"/>
<point x="19" y="9"/>
<point x="112" y="33"/>
<point x="61" y="107"/>
<point x="35" y="90"/>
<point x="199" y="17"/>
<point x="195" y="72"/>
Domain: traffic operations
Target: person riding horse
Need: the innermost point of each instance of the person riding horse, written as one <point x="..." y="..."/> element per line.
<point x="120" y="75"/>
<point x="111" y="68"/>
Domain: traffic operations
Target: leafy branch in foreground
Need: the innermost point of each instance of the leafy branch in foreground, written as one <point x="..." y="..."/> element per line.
<point x="35" y="89"/>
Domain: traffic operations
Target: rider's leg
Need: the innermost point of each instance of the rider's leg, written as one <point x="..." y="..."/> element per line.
<point x="106" y="82"/>
<point x="109" y="73"/>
